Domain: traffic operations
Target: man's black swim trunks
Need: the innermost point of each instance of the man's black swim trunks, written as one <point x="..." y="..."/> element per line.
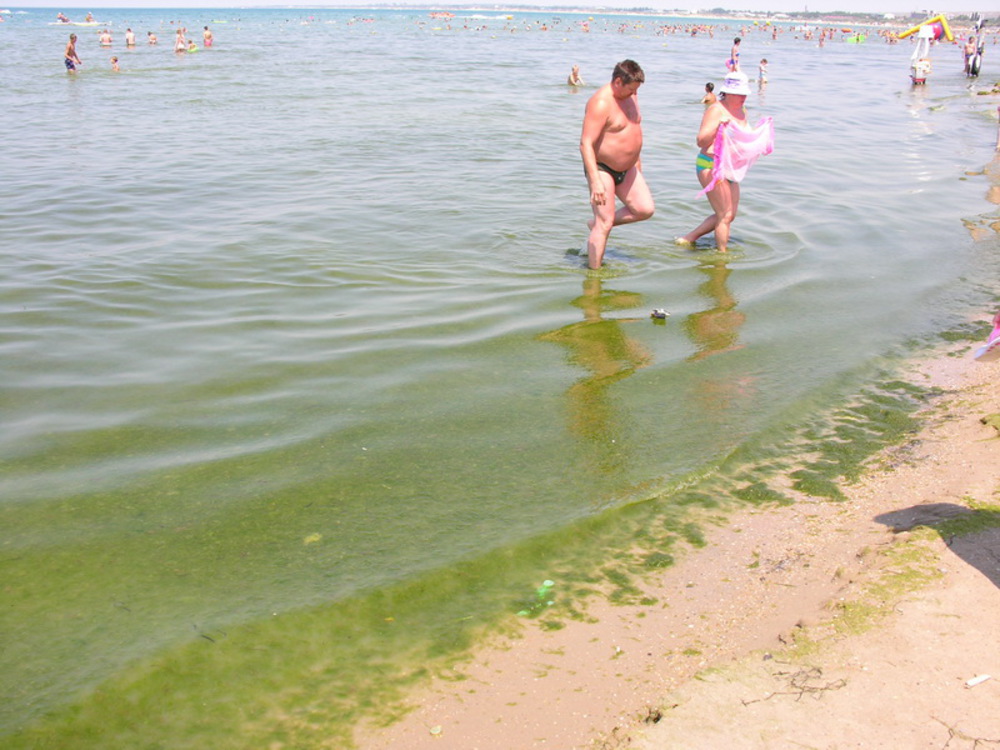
<point x="619" y="177"/>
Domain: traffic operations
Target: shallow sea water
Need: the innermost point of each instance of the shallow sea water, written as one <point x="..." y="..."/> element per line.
<point x="304" y="317"/>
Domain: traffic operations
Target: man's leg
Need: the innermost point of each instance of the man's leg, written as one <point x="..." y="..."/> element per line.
<point x="634" y="193"/>
<point x="600" y="225"/>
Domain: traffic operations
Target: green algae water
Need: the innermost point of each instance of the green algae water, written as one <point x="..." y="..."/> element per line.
<point x="305" y="385"/>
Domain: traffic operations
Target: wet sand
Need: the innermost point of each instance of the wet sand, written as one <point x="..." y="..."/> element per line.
<point x="818" y="624"/>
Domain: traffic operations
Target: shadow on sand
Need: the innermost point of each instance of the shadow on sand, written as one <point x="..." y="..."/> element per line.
<point x="972" y="534"/>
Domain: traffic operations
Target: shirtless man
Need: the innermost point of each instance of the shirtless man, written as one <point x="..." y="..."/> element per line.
<point x="610" y="144"/>
<point x="968" y="52"/>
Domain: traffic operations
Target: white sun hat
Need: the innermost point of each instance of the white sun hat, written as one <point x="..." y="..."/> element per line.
<point x="735" y="83"/>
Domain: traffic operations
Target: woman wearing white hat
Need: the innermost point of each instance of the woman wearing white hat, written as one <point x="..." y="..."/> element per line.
<point x="723" y="194"/>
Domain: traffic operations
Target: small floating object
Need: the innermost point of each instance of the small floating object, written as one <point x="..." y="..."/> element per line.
<point x="659" y="314"/>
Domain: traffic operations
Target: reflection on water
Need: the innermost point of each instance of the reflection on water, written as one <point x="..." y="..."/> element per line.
<point x="716" y="329"/>
<point x="601" y="347"/>
<point x="993" y="174"/>
<point x="713" y="331"/>
<point x="980" y="228"/>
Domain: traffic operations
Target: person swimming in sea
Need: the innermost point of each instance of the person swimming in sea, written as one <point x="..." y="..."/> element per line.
<point x="710" y="98"/>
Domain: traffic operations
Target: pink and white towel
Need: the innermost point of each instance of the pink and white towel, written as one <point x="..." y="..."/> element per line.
<point x="737" y="149"/>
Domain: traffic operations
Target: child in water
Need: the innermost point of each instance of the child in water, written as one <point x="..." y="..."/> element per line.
<point x="114" y="65"/>
<point x="710" y="98"/>
<point x="762" y="75"/>
<point x="70" y="57"/>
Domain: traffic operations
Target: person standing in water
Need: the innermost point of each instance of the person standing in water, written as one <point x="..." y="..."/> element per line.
<point x="574" y="78"/>
<point x="207" y="37"/>
<point x="725" y="196"/>
<point x="610" y="145"/>
<point x="70" y="57"/>
<point x="968" y="52"/>
<point x="733" y="64"/>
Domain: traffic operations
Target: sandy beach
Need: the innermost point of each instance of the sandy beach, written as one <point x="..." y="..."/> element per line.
<point x="865" y="623"/>
<point x="308" y="388"/>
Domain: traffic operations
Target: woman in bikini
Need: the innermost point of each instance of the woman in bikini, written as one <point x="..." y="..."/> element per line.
<point x="725" y="196"/>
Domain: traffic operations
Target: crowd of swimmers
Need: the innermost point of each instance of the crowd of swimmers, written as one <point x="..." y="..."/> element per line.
<point x="182" y="44"/>
<point x="612" y="139"/>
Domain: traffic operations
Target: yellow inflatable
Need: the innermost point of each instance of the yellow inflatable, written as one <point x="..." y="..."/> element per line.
<point x="940" y="20"/>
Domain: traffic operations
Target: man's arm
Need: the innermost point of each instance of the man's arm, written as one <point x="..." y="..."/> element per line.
<point x="594" y="121"/>
<point x="638" y="161"/>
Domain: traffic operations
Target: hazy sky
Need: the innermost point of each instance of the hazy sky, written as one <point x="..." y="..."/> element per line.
<point x="889" y="6"/>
